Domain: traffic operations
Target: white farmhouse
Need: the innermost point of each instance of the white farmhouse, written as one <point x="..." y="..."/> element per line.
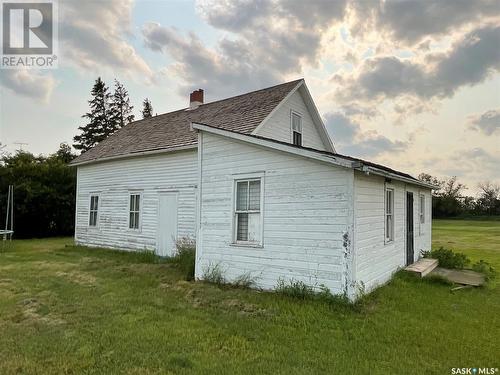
<point x="256" y="180"/>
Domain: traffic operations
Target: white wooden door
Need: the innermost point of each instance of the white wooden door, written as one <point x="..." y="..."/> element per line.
<point x="167" y="224"/>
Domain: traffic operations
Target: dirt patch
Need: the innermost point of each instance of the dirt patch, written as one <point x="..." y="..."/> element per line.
<point x="7" y="288"/>
<point x="8" y="267"/>
<point x="44" y="265"/>
<point x="245" y="308"/>
<point x="198" y="299"/>
<point x="32" y="311"/>
<point x="77" y="277"/>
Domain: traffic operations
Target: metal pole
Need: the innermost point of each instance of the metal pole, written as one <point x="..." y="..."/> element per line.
<point x="12" y="212"/>
<point x="7" y="211"/>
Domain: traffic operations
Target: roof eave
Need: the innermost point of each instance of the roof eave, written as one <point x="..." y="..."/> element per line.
<point x="133" y="155"/>
<point x="376" y="171"/>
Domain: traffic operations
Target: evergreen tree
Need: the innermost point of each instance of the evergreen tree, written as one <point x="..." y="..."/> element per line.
<point x="121" y="110"/>
<point x="99" y="125"/>
<point x="147" y="108"/>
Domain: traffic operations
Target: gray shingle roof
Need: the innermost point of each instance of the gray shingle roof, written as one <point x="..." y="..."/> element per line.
<point x="242" y="114"/>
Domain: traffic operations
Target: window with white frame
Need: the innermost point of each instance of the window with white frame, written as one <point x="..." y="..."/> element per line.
<point x="389" y="215"/>
<point x="134" y="211"/>
<point x="247" y="211"/>
<point x="94" y="210"/>
<point x="296" y="128"/>
<point x="422" y="209"/>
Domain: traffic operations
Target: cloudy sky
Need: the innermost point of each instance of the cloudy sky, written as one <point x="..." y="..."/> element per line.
<point x="411" y="84"/>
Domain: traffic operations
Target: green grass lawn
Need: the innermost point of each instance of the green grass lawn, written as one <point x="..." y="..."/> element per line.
<point x="75" y="310"/>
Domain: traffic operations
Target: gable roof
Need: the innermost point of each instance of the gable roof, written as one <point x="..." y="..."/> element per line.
<point x="172" y="131"/>
<point x="325" y="156"/>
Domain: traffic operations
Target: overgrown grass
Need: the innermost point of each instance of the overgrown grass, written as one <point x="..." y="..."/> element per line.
<point x="185" y="257"/>
<point x="77" y="310"/>
<point x="214" y="274"/>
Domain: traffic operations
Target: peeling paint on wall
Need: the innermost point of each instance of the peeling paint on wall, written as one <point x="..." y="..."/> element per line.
<point x="347" y="249"/>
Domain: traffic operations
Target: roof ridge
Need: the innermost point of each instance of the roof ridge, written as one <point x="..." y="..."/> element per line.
<point x="221" y="100"/>
<point x="254" y="91"/>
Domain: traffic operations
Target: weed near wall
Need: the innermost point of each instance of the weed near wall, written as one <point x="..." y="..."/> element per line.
<point x="185" y="257"/>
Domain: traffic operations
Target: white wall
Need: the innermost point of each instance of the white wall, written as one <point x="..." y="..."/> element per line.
<point x="148" y="175"/>
<point x="376" y="261"/>
<point x="278" y="125"/>
<point x="307" y="209"/>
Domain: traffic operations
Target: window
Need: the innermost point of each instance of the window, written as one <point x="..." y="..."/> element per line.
<point x="135" y="209"/>
<point x="422" y="211"/>
<point x="389" y="215"/>
<point x="247" y="212"/>
<point x="94" y="209"/>
<point x="296" y="129"/>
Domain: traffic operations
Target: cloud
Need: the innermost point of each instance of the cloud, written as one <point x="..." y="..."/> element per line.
<point x="478" y="162"/>
<point x="28" y="83"/>
<point x="350" y="139"/>
<point x="488" y="122"/>
<point x="93" y="34"/>
<point x="471" y="60"/>
<point x="410" y="22"/>
<point x="269" y="40"/>
<point x="226" y="70"/>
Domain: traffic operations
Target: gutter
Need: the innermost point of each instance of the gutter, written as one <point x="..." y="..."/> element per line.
<point x="379" y="172"/>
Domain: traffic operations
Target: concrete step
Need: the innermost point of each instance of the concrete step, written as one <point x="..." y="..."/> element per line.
<point x="422" y="266"/>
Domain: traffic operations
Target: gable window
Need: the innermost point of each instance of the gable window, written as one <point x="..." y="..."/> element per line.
<point x="94" y="209"/>
<point x="296" y="129"/>
<point x="389" y="215"/>
<point x="422" y="211"/>
<point x="134" y="211"/>
<point x="247" y="211"/>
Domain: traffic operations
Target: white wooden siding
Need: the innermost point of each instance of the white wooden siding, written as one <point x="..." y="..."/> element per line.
<point x="278" y="125"/>
<point x="306" y="209"/>
<point x="148" y="175"/>
<point x="376" y="260"/>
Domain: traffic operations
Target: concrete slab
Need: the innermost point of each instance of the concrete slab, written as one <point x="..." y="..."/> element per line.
<point x="464" y="277"/>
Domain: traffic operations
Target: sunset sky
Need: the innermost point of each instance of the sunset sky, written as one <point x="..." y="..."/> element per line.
<point x="414" y="85"/>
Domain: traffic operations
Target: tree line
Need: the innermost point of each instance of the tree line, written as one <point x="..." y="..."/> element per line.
<point x="44" y="192"/>
<point x="107" y="113"/>
<point x="449" y="199"/>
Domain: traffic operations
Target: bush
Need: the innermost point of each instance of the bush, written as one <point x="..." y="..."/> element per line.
<point x="214" y="274"/>
<point x="484" y="268"/>
<point x="185" y="257"/>
<point x="447" y="258"/>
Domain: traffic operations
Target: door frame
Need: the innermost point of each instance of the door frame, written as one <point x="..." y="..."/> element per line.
<point x="410" y="224"/>
<point x="161" y="194"/>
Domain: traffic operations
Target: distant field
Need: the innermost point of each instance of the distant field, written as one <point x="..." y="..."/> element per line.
<point x="75" y="310"/>
<point x="477" y="239"/>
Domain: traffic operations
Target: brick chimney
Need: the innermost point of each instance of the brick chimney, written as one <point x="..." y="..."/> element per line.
<point x="195" y="99"/>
